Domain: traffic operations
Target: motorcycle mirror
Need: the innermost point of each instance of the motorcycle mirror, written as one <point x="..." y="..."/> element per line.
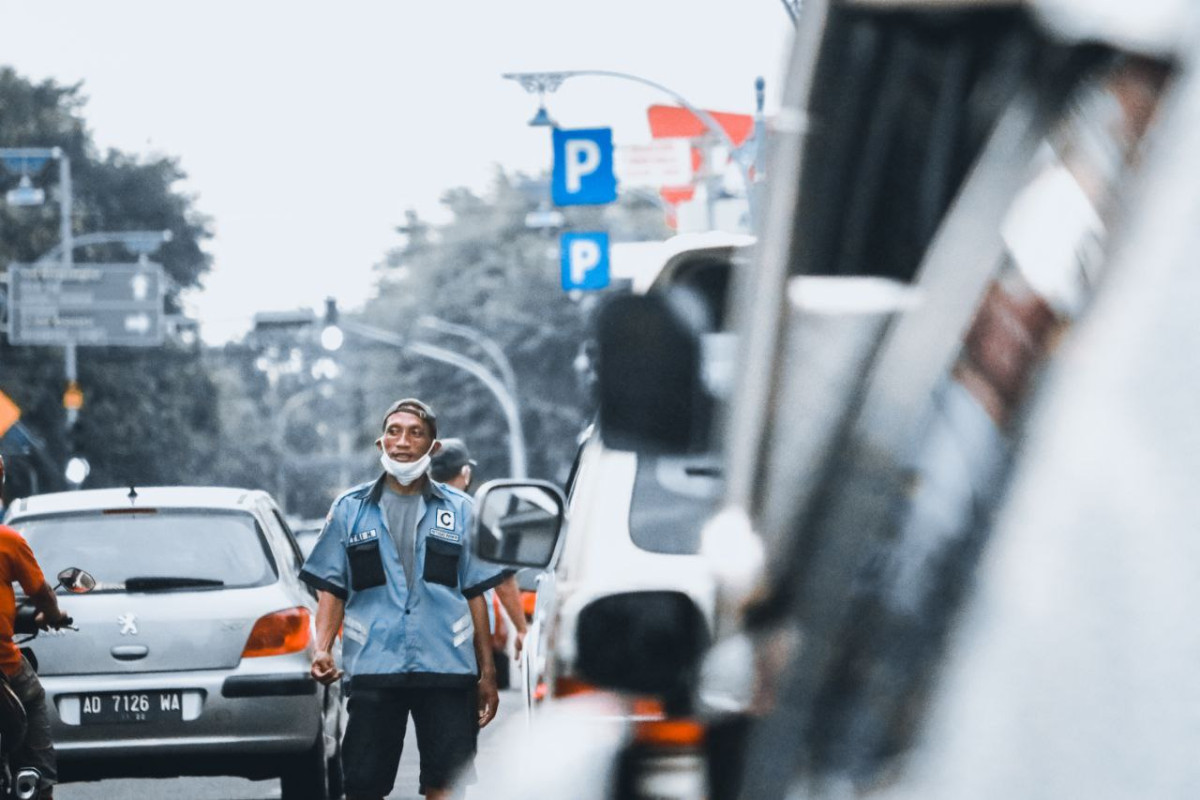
<point x="76" y="580"/>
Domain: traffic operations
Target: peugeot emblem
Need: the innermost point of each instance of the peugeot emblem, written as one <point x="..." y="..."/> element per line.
<point x="128" y="623"/>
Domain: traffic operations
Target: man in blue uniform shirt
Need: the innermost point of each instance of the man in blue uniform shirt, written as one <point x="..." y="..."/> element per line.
<point x="393" y="569"/>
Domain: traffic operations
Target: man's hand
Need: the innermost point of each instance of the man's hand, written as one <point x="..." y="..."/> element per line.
<point x="519" y="643"/>
<point x="55" y="619"/>
<point x="488" y="697"/>
<point x="324" y="670"/>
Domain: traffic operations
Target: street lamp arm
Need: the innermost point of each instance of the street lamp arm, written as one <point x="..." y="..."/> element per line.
<point x="552" y="80"/>
<point x="507" y="401"/>
<point x="542" y="82"/>
<point x="134" y="239"/>
<point x="494" y="351"/>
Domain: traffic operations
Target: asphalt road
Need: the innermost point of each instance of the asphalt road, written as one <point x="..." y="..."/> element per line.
<point x="240" y="789"/>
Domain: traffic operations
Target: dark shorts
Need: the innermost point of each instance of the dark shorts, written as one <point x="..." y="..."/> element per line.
<point x="447" y="725"/>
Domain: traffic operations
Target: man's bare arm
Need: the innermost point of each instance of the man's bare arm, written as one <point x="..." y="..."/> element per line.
<point x="510" y="597"/>
<point x="488" y="693"/>
<point x="330" y="612"/>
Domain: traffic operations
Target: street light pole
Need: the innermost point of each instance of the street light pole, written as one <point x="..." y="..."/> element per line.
<point x="140" y="242"/>
<point x="506" y="399"/>
<point x="290" y="405"/>
<point x="66" y="243"/>
<point x="548" y="82"/>
<point x="503" y="366"/>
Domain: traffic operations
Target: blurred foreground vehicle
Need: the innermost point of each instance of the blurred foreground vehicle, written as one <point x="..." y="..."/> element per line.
<point x="631" y="541"/>
<point x="192" y="651"/>
<point x="956" y="553"/>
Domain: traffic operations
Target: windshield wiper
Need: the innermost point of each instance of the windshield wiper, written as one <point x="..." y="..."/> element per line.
<point x="158" y="582"/>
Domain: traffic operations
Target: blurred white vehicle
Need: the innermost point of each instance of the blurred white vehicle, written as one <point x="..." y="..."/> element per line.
<point x="955" y="551"/>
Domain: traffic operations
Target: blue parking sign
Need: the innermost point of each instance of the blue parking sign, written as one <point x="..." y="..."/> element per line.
<point x="583" y="167"/>
<point x="584" y="260"/>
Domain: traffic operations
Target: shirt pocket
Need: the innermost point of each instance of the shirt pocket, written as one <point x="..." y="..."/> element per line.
<point x="366" y="566"/>
<point x="441" y="562"/>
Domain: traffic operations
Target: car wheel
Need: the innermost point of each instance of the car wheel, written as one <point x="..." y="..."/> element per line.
<point x="306" y="776"/>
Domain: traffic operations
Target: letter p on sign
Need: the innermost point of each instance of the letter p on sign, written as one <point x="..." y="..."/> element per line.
<point x="584" y="261"/>
<point x="583" y="158"/>
<point x="583" y="167"/>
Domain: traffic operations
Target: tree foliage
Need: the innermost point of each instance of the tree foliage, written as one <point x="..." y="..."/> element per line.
<point x="486" y="270"/>
<point x="254" y="413"/>
<point x="149" y="416"/>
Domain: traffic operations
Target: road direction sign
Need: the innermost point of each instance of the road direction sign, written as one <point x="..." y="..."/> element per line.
<point x="92" y="304"/>
<point x="583" y="167"/>
<point x="10" y="413"/>
<point x="585" y="261"/>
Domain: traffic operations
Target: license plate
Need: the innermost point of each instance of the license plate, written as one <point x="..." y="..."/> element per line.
<point x="104" y="707"/>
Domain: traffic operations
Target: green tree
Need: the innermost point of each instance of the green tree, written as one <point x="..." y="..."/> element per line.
<point x="487" y="270"/>
<point x="308" y="438"/>
<point x="149" y="416"/>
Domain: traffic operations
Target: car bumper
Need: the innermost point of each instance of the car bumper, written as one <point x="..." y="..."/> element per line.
<point x="255" y="709"/>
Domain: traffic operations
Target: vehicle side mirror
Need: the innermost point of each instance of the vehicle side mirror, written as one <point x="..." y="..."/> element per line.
<point x="517" y="523"/>
<point x="651" y="390"/>
<point x="76" y="581"/>
<point x="646" y="642"/>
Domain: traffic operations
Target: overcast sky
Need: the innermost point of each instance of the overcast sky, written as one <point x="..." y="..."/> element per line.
<point x="307" y="129"/>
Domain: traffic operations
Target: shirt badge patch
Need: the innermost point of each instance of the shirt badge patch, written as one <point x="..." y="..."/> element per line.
<point x="449" y="536"/>
<point x="364" y="536"/>
<point x="445" y="518"/>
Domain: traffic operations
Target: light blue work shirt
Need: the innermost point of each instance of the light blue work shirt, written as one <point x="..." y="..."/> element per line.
<point x="392" y="636"/>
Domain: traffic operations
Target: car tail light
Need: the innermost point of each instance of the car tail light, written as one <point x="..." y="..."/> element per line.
<point x="277" y="634"/>
<point x="647" y="708"/>
<point x="665" y="760"/>
<point x="565" y="686"/>
<point x="669" y="733"/>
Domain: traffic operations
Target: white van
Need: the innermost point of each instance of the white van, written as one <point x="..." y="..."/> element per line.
<point x="633" y="519"/>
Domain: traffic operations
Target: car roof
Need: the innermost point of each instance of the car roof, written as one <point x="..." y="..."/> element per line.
<point x="213" y="497"/>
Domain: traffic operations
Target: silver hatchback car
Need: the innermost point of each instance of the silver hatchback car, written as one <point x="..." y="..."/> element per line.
<point x="192" y="653"/>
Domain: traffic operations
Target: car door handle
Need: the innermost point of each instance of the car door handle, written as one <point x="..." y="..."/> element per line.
<point x="130" y="652"/>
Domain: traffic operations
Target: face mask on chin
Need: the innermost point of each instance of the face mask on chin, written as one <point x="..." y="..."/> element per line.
<point x="405" y="471"/>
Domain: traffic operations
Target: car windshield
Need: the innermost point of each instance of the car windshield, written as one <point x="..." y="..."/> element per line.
<point x="160" y="551"/>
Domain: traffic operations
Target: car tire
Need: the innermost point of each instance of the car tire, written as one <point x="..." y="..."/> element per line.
<point x="306" y="776"/>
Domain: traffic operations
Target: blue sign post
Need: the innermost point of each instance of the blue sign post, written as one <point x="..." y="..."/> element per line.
<point x="583" y="167"/>
<point x="585" y="264"/>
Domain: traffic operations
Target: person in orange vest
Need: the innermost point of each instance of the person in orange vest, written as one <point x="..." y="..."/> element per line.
<point x="18" y="565"/>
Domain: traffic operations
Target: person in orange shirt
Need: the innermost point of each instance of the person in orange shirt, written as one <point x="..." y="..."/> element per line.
<point x="18" y="565"/>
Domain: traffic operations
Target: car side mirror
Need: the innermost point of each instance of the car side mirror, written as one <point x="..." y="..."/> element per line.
<point x="517" y="523"/>
<point x="648" y="642"/>
<point x="76" y="580"/>
<point x="652" y="396"/>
